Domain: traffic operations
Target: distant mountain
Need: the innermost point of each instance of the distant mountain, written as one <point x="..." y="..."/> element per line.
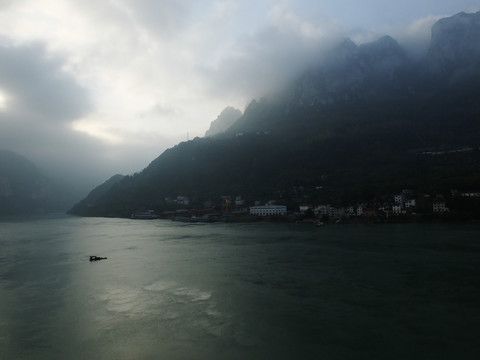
<point x="362" y="124"/>
<point x="96" y="194"/>
<point x="24" y="190"/>
<point x="454" y="49"/>
<point x="226" y="119"/>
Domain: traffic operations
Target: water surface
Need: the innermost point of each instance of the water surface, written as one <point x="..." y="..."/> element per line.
<point x="237" y="291"/>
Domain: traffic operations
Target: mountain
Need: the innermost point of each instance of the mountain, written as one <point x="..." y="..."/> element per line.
<point x="353" y="72"/>
<point x="351" y="75"/>
<point x="24" y="190"/>
<point x="454" y="49"/>
<point x="366" y="122"/>
<point x="96" y="194"/>
<point x="226" y="119"/>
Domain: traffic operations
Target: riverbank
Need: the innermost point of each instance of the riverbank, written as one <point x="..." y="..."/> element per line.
<point x="322" y="220"/>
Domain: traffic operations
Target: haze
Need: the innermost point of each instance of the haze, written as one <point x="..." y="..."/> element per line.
<point x="93" y="88"/>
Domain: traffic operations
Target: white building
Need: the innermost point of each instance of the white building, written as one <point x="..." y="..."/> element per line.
<point x="399" y="199"/>
<point x="304" y="208"/>
<point x="335" y="212"/>
<point x="470" y="194"/>
<point x="350" y="211"/>
<point x="397" y="209"/>
<point x="268" y="210"/>
<point x="359" y="210"/>
<point x="322" y="210"/>
<point x="410" y="203"/>
<point x="439" y="206"/>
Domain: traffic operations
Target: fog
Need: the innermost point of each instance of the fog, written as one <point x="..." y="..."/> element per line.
<point x="90" y="89"/>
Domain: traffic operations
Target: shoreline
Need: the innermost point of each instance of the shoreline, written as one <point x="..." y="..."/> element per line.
<point x="460" y="218"/>
<point x="319" y="220"/>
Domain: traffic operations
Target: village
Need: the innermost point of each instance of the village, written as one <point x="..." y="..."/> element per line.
<point x="406" y="206"/>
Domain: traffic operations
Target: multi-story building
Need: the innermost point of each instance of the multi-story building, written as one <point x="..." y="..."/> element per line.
<point x="360" y="209"/>
<point x="439" y="206"/>
<point x="410" y="203"/>
<point x="470" y="194"/>
<point x="397" y="209"/>
<point x="399" y="199"/>
<point x="322" y="209"/>
<point x="268" y="210"/>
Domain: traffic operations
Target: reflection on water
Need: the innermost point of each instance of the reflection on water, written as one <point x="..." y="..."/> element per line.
<point x="233" y="291"/>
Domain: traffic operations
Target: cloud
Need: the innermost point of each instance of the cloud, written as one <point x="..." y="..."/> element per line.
<point x="106" y="86"/>
<point x="263" y="62"/>
<point x="417" y="35"/>
<point x="413" y="37"/>
<point x="37" y="87"/>
<point x="162" y="18"/>
<point x="40" y="105"/>
<point x="41" y="101"/>
<point x="5" y="3"/>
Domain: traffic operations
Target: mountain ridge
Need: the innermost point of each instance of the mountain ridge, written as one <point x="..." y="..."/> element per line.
<point x="227" y="118"/>
<point x="24" y="190"/>
<point x="352" y="127"/>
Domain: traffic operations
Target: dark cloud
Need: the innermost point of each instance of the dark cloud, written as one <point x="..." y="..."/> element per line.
<point x="42" y="101"/>
<point x="37" y="87"/>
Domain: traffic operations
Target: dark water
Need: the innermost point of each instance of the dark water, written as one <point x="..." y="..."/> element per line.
<point x="238" y="291"/>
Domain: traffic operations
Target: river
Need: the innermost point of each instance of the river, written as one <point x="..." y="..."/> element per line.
<point x="171" y="290"/>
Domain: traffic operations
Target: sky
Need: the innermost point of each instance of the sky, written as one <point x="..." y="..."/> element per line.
<point x="92" y="88"/>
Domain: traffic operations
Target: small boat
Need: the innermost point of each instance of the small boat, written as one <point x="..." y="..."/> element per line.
<point x="96" y="258"/>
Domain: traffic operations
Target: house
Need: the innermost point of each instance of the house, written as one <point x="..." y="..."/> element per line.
<point x="268" y="210"/>
<point x="350" y="211"/>
<point x="470" y="194"/>
<point x="397" y="209"/>
<point x="360" y="209"/>
<point x="333" y="212"/>
<point x="183" y="200"/>
<point x="322" y="210"/>
<point x="410" y="203"/>
<point x="399" y="199"/>
<point x="439" y="206"/>
<point x="304" y="208"/>
<point x="226" y="204"/>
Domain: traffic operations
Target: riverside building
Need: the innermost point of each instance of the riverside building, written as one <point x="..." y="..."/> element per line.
<point x="268" y="210"/>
